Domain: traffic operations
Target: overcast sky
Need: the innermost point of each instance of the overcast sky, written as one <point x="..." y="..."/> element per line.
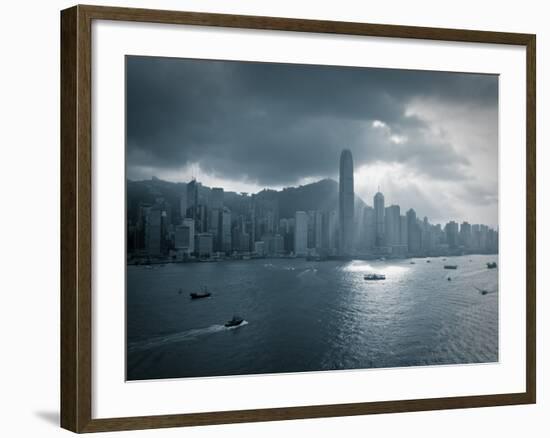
<point x="428" y="139"/>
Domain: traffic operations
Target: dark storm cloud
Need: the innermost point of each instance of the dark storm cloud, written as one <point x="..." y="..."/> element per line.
<point x="276" y="123"/>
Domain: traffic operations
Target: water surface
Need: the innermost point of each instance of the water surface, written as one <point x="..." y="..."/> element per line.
<point x="309" y="316"/>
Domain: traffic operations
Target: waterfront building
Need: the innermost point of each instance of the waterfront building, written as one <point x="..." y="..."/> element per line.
<point x="379" y="219"/>
<point x="314" y="229"/>
<point x="192" y="199"/>
<point x="392" y="225"/>
<point x="466" y="235"/>
<point x="259" y="248"/>
<point x="183" y="203"/>
<point x="184" y="237"/>
<point x="204" y="243"/>
<point x="300" y="233"/>
<point x="414" y="233"/>
<point x="273" y="244"/>
<point x="369" y="228"/>
<point x="332" y="231"/>
<point x="226" y="241"/>
<point x="346" y="203"/>
<point x="403" y="232"/>
<point x="451" y="232"/>
<point x="153" y="231"/>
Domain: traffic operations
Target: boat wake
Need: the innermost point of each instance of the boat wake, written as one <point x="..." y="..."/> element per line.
<point x="187" y="335"/>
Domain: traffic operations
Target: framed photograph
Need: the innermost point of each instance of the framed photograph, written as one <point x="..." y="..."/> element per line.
<point x="269" y="218"/>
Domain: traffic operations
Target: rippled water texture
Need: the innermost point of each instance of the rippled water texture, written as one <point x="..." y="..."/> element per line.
<point x="309" y="316"/>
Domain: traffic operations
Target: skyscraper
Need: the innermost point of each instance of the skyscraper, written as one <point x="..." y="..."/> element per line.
<point x="346" y="202"/>
<point x="451" y="231"/>
<point x="414" y="234"/>
<point x="216" y="198"/>
<point x="300" y="233"/>
<point x="192" y="201"/>
<point x="379" y="219"/>
<point x="392" y="225"/>
<point x="369" y="228"/>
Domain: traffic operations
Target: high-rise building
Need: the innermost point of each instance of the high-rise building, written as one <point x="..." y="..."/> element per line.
<point x="300" y="233"/>
<point x="404" y="232"/>
<point x="466" y="235"/>
<point x="204" y="243"/>
<point x="153" y="231"/>
<point x="475" y="237"/>
<point x="414" y="233"/>
<point x="392" y="225"/>
<point x="192" y="199"/>
<point x="314" y="229"/>
<point x="226" y="230"/>
<point x="216" y="198"/>
<point x="184" y="239"/>
<point x="369" y="229"/>
<point x="451" y="231"/>
<point x="379" y="238"/>
<point x="332" y="230"/>
<point x="346" y="203"/>
<point x="183" y="203"/>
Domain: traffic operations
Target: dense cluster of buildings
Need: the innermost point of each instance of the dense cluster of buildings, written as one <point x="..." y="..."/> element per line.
<point x="206" y="228"/>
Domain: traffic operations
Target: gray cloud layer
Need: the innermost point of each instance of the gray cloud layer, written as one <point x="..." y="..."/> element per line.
<point x="274" y="124"/>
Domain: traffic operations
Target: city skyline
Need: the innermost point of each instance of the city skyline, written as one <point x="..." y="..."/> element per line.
<point x="207" y="226"/>
<point x="428" y="139"/>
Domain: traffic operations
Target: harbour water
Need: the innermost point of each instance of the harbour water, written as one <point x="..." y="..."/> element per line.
<point x="309" y="316"/>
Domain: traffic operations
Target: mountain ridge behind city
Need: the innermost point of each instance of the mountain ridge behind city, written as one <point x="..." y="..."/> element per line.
<point x="321" y="195"/>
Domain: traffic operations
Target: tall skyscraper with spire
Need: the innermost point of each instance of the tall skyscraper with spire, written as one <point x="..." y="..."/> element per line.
<point x="346" y="203"/>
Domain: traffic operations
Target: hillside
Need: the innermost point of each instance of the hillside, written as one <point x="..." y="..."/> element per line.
<point x="321" y="195"/>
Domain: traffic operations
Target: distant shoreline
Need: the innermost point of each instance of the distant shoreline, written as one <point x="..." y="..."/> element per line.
<point x="327" y="259"/>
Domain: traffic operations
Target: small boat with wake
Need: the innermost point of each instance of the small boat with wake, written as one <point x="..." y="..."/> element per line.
<point x="197" y="295"/>
<point x="484" y="291"/>
<point x="234" y="322"/>
<point x="374" y="277"/>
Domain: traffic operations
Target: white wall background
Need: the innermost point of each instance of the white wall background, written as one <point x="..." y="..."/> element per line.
<point x="29" y="216"/>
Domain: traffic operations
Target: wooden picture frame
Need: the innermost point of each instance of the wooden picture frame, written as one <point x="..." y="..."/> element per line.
<point x="76" y="218"/>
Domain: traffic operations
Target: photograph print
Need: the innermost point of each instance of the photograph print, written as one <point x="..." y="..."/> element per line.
<point x="286" y="218"/>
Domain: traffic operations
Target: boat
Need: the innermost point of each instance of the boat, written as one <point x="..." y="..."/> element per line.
<point x="428" y="261"/>
<point x="197" y="295"/>
<point x="374" y="277"/>
<point x="491" y="265"/>
<point x="484" y="291"/>
<point x="234" y="322"/>
<point x="412" y="263"/>
<point x="448" y="278"/>
<point x="450" y="266"/>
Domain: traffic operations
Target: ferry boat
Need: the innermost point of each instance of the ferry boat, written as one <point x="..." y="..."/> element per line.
<point x="197" y="295"/>
<point x="374" y="277"/>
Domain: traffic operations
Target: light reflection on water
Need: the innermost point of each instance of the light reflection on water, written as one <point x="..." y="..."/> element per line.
<point x="309" y="316"/>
